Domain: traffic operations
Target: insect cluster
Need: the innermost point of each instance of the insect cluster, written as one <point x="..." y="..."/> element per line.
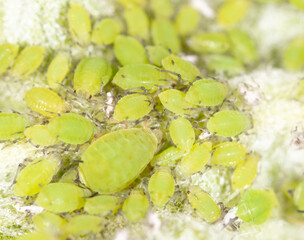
<point x="118" y="137"/>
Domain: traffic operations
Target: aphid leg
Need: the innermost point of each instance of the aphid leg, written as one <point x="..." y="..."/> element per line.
<point x="93" y="195"/>
<point x="9" y="144"/>
<point x="19" y="168"/>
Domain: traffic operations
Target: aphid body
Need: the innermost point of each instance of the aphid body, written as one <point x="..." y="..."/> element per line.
<point x="161" y="186"/>
<point x="114" y="161"/>
<point x="102" y="205"/>
<point x="162" y="8"/>
<point x="298" y="4"/>
<point x="45" y="101"/>
<point x="12" y="125"/>
<point x="91" y="74"/>
<point x="229" y="123"/>
<point x="106" y="31"/>
<point x="47" y="221"/>
<point x="40" y="135"/>
<point x="293" y="55"/>
<point x="168" y="157"/>
<point x="72" y="128"/>
<point x="187" y="20"/>
<point x="36" y="175"/>
<point x="156" y="54"/>
<point x="8" y="52"/>
<point x="203" y="204"/>
<point x="298" y="197"/>
<point x="136" y="205"/>
<point x="28" y="61"/>
<point x="81" y="225"/>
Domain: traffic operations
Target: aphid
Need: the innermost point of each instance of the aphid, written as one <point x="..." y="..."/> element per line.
<point x="91" y="74"/>
<point x="228" y="154"/>
<point x="38" y="236"/>
<point x="196" y="159"/>
<point x="187" y="20"/>
<point x="182" y="134"/>
<point x="298" y="197"/>
<point x="33" y="177"/>
<point x="156" y="54"/>
<point x="131" y="3"/>
<point x="72" y="128"/>
<point x="203" y="204"/>
<point x="245" y="172"/>
<point x="184" y="69"/>
<point x="28" y="61"/>
<point x="12" y="125"/>
<point x="47" y="221"/>
<point x="45" y="101"/>
<point x="137" y="22"/>
<point x="81" y="225"/>
<point x="8" y="52"/>
<point x="129" y="50"/>
<point x="79" y="24"/>
<point x="293" y="55"/>
<point x="232" y="12"/>
<point x="40" y="135"/>
<point x="137" y="76"/>
<point x="69" y="176"/>
<point x="113" y="161"/>
<point x="136" y="205"/>
<point x="161" y="187"/>
<point x="207" y="92"/>
<point x="174" y="101"/>
<point x="106" y="31"/>
<point x="61" y="197"/>
<point x="256" y="206"/>
<point x="164" y="34"/>
<point x="168" y="157"/>
<point x="132" y="107"/>
<point x="224" y="64"/>
<point x="162" y="8"/>
<point x="102" y="205"/>
<point x="209" y="43"/>
<point x="298" y="4"/>
<point x="242" y="46"/>
<point x="229" y="123"/>
<point x="57" y="70"/>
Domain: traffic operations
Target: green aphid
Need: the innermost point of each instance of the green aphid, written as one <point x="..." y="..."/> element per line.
<point x="102" y="205"/>
<point x="182" y="134"/>
<point x="72" y="128"/>
<point x="91" y="74"/>
<point x="245" y="172"/>
<point x="132" y="107"/>
<point x="209" y="42"/>
<point x="8" y="52"/>
<point x="298" y="4"/>
<point x="61" y="197"/>
<point x="156" y="54"/>
<point x="203" y="204"/>
<point x="82" y="225"/>
<point x="45" y="101"/>
<point x="106" y="31"/>
<point x="182" y="68"/>
<point x="256" y="206"/>
<point x="242" y="46"/>
<point x="228" y="154"/>
<point x="224" y="64"/>
<point x="49" y="222"/>
<point x="12" y="125"/>
<point x="268" y="1"/>
<point x="174" y="101"/>
<point x="207" y="92"/>
<point x="187" y="20"/>
<point x="164" y="34"/>
<point x="58" y="70"/>
<point x="168" y="157"/>
<point x="131" y="3"/>
<point x="79" y="24"/>
<point x="39" y="235"/>
<point x="137" y="76"/>
<point x="196" y="159"/>
<point x="34" y="176"/>
<point x="162" y="8"/>
<point x="293" y="55"/>
<point x="40" y="135"/>
<point x="28" y="61"/>
<point x="229" y="123"/>
<point x="136" y="205"/>
<point x="129" y="50"/>
<point x="298" y="197"/>
<point x="232" y="12"/>
<point x="137" y="22"/>
<point x="114" y="161"/>
<point x="161" y="187"/>
<point x="69" y="176"/>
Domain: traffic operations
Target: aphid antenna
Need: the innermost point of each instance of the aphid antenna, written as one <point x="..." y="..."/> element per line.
<point x="93" y="195"/>
<point x="11" y="143"/>
<point x="179" y="77"/>
<point x="300" y="211"/>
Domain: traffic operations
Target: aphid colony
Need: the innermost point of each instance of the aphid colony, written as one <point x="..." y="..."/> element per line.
<point x="100" y="164"/>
